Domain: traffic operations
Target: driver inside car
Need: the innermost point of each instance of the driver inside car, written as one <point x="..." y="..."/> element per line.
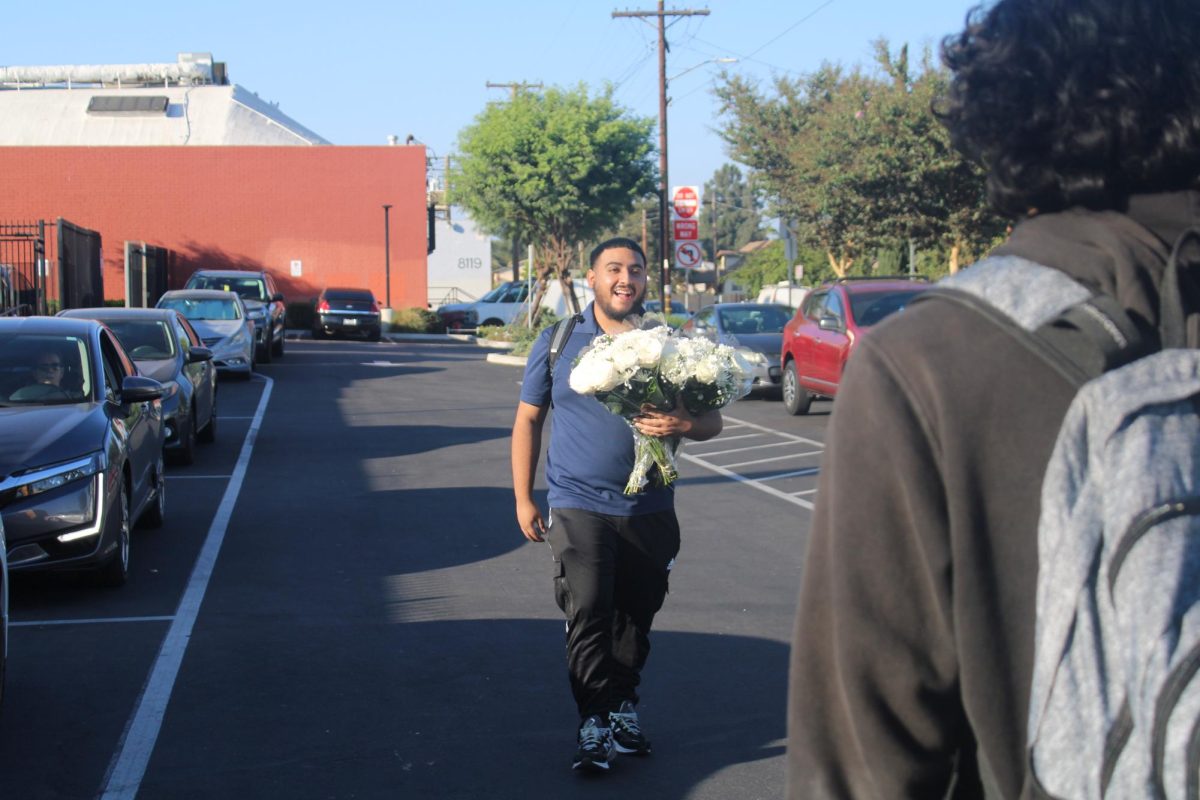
<point x="48" y="369"/>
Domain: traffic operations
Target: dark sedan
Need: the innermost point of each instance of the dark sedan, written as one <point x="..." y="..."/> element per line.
<point x="81" y="447"/>
<point x="347" y="311"/>
<point x="755" y="329"/>
<point x="164" y="346"/>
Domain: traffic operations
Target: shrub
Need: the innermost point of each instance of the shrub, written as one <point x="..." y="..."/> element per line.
<point x="523" y="338"/>
<point x="300" y="315"/>
<point x="416" y="320"/>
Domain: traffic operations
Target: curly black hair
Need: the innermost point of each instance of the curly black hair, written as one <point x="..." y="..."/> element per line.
<point x="1077" y="102"/>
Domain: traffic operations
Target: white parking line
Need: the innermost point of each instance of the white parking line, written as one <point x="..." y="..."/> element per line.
<point x="128" y="765"/>
<point x="95" y="621"/>
<point x="732" y="423"/>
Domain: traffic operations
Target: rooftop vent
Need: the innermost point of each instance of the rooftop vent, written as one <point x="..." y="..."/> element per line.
<point x="141" y="105"/>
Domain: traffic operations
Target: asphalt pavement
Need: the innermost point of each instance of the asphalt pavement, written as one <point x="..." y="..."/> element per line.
<point x="340" y="605"/>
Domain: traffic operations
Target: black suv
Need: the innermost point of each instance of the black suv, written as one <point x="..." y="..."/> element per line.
<point x="264" y="304"/>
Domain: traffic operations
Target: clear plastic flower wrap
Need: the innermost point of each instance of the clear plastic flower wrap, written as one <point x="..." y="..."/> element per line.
<point x="656" y="367"/>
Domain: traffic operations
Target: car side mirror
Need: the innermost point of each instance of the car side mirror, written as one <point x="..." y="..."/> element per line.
<point x="139" y="389"/>
<point x="829" y="322"/>
<point x="198" y="354"/>
<point x="277" y="297"/>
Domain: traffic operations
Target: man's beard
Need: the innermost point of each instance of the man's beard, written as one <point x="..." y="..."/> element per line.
<point x="634" y="311"/>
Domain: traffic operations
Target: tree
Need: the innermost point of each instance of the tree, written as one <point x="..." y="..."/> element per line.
<point x="736" y="212"/>
<point x="553" y="169"/>
<point x="858" y="162"/>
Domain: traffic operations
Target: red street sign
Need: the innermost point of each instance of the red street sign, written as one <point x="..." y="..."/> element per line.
<point x="688" y="229"/>
<point x="686" y="201"/>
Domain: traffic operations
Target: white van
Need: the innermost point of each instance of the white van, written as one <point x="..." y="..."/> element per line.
<point x="507" y="302"/>
<point x="782" y="293"/>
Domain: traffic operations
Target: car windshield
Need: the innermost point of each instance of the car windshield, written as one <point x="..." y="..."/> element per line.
<point x="870" y="308"/>
<point x="495" y="294"/>
<point x="41" y="370"/>
<point x="246" y="288"/>
<point x="143" y="339"/>
<point x="208" y="308"/>
<point x="754" y="319"/>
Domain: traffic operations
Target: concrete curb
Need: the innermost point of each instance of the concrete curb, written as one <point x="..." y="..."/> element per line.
<point x="492" y="344"/>
<point x="504" y="358"/>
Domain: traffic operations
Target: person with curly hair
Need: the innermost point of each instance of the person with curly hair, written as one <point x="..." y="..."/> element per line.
<point x="914" y="640"/>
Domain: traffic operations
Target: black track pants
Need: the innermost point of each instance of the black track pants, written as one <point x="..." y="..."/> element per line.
<point x="610" y="580"/>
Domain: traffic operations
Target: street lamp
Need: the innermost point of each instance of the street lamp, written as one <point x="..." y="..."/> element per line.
<point x="387" y="256"/>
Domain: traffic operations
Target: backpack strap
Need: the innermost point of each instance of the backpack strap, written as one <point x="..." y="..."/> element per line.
<point x="558" y="338"/>
<point x="1077" y="332"/>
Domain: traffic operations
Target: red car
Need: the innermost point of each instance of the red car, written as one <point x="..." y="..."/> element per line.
<point x="820" y="338"/>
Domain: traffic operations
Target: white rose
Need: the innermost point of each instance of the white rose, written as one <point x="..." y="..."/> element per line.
<point x="649" y="351"/>
<point x="625" y="357"/>
<point x="707" y="370"/>
<point x="593" y="375"/>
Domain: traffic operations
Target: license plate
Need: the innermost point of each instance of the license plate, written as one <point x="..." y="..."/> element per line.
<point x="350" y="321"/>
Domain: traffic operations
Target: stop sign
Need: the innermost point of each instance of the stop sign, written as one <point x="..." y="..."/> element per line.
<point x="686" y="201"/>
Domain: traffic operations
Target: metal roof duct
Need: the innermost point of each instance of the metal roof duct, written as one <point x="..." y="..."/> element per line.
<point x="191" y="68"/>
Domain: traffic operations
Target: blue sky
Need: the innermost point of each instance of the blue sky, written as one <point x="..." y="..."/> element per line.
<point x="357" y="70"/>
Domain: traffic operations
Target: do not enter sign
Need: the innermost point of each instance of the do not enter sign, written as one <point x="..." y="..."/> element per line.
<point x="685" y="201"/>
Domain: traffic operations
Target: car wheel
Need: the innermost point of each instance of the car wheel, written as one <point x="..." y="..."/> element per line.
<point x="208" y="433"/>
<point x="186" y="452"/>
<point x="156" y="512"/>
<point x="796" y="398"/>
<point x="375" y="335"/>
<point x="318" y="333"/>
<point x="265" y="356"/>
<point x="279" y="346"/>
<point x="115" y="571"/>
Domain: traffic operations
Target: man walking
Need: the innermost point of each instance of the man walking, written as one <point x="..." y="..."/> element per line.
<point x="914" y="643"/>
<point x="612" y="552"/>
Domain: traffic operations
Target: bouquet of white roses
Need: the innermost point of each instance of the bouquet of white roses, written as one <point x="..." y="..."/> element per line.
<point x="657" y="368"/>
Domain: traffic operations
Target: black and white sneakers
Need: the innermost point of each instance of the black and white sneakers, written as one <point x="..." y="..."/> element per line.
<point x="627" y="731"/>
<point x="595" y="745"/>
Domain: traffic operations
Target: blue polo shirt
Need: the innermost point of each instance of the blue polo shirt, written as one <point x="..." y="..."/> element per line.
<point x="591" y="449"/>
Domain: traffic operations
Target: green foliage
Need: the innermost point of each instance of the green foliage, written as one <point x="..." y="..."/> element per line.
<point x="416" y="320"/>
<point x="523" y="338"/>
<point x="555" y="169"/>
<point x="857" y="160"/>
<point x="300" y="315"/>
<point x="736" y="214"/>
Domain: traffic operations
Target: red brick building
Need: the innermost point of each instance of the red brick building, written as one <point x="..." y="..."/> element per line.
<point x="215" y="175"/>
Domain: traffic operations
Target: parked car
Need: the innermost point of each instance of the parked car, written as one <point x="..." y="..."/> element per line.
<point x="501" y="305"/>
<point x="788" y="294"/>
<point x="347" y="311"/>
<point x="821" y="337"/>
<point x="678" y="309"/>
<point x="81" y="447"/>
<point x="221" y="321"/>
<point x="263" y="300"/>
<point x="756" y="329"/>
<point x="164" y="346"/>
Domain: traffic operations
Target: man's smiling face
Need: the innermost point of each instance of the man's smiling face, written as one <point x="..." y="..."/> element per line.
<point x="619" y="280"/>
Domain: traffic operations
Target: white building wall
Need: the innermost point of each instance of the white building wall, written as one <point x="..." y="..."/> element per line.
<point x="460" y="268"/>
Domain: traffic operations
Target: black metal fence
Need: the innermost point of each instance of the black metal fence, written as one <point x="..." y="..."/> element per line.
<point x="23" y="274"/>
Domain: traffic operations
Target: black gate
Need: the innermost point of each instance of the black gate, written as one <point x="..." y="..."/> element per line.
<point x="81" y="281"/>
<point x="23" y="273"/>
<point x="146" y="272"/>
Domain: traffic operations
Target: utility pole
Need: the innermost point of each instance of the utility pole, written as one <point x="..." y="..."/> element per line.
<point x="663" y="221"/>
<point x="514" y="87"/>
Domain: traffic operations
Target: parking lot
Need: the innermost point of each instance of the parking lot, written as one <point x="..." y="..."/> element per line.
<point x="340" y="605"/>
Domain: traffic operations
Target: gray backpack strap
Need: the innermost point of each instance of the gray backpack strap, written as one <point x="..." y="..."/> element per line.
<point x="1079" y="333"/>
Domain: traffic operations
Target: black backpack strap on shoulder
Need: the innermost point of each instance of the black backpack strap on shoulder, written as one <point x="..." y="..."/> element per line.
<point x="559" y="337"/>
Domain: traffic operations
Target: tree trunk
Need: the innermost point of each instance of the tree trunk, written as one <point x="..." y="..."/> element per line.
<point x="839" y="264"/>
<point x="955" y="253"/>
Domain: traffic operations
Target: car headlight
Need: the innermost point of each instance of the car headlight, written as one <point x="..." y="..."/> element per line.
<point x="753" y="357"/>
<point x="43" y="479"/>
<point x="238" y="337"/>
